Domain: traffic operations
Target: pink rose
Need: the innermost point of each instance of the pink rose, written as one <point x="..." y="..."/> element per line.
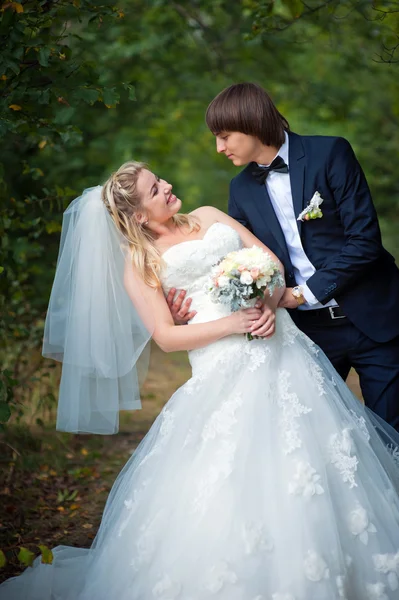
<point x="241" y="268"/>
<point x="254" y="273"/>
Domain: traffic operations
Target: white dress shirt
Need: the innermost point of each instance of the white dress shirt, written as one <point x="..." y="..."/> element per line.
<point x="279" y="189"/>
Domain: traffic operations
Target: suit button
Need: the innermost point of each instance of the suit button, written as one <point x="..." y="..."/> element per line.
<point x="291" y="274"/>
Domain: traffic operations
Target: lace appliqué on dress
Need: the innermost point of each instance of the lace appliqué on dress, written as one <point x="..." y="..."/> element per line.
<point x="219" y="576"/>
<point x="258" y="353"/>
<point x="289" y="331"/>
<point x="315" y="567"/>
<point x="255" y="539"/>
<point x="376" y="591"/>
<point x="306" y="481"/>
<point x="291" y="410"/>
<point x="316" y="373"/>
<point x="132" y="504"/>
<point x="340" y="448"/>
<point x="165" y="430"/>
<point x="166" y="589"/>
<point x="388" y="564"/>
<point x="361" y="424"/>
<point x="220" y="469"/>
<point x="394" y="450"/>
<point x="222" y="420"/>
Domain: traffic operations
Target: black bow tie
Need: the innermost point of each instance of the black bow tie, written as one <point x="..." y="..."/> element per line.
<point x="261" y="173"/>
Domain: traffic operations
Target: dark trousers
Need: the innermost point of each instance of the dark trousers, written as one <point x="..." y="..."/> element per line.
<point x="377" y="364"/>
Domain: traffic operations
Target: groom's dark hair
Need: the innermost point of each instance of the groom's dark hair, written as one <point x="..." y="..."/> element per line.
<point x="247" y="108"/>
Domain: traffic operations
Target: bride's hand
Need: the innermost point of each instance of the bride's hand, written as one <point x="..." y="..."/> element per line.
<point x="266" y="324"/>
<point x="243" y="320"/>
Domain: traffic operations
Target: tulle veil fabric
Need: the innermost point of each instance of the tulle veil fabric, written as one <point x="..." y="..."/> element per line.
<point x="92" y="325"/>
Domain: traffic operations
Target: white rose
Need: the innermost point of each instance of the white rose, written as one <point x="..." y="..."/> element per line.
<point x="358" y="520"/>
<point x="246" y="278"/>
<point x="166" y="588"/>
<point x="223" y="281"/>
<point x="261" y="282"/>
<point x="315" y="567"/>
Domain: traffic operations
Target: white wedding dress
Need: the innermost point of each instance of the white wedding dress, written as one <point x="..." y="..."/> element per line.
<point x="263" y="478"/>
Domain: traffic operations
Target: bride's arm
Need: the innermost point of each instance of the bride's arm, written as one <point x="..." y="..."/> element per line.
<point x="155" y="313"/>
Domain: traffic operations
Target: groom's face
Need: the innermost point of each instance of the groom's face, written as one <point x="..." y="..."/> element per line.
<point x="239" y="147"/>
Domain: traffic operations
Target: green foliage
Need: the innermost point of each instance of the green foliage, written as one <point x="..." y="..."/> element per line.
<point x="274" y="16"/>
<point x="7" y="384"/>
<point x="46" y="76"/>
<point x="26" y="556"/>
<point x="47" y="555"/>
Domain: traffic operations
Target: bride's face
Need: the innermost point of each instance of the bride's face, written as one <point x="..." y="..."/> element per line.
<point x="158" y="203"/>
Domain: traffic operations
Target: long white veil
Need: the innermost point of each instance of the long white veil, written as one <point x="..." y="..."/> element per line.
<point x="92" y="325"/>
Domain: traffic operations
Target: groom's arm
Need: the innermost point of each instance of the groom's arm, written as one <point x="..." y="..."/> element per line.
<point x="234" y="211"/>
<point x="363" y="244"/>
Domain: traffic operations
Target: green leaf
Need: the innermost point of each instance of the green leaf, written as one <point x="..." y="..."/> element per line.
<point x="25" y="556"/>
<point x="3" y="392"/>
<point x="44" y="55"/>
<point x="53" y="227"/>
<point x="44" y="97"/>
<point x="295" y="7"/>
<point x="110" y="97"/>
<point x="131" y="89"/>
<point x="12" y="64"/>
<point x="86" y="94"/>
<point x="47" y="555"/>
<point x="3" y="560"/>
<point x="5" y="412"/>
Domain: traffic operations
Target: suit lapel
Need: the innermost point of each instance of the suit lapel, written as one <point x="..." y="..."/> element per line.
<point x="265" y="211"/>
<point x="297" y="173"/>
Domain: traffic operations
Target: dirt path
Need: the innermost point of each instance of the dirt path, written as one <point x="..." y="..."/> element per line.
<point x="55" y="492"/>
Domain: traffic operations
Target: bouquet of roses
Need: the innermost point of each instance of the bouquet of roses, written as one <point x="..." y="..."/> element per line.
<point x="243" y="276"/>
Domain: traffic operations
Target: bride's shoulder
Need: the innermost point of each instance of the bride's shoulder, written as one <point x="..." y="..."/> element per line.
<point x="208" y="215"/>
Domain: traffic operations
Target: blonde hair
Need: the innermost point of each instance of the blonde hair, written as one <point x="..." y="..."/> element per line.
<point x="122" y="201"/>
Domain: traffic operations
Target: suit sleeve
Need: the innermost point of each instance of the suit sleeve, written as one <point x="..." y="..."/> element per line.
<point x="363" y="244"/>
<point x="235" y="212"/>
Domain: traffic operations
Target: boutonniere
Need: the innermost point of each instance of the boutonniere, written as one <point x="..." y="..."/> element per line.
<point x="312" y="211"/>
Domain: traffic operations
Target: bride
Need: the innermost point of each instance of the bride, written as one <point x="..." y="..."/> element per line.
<point x="263" y="478"/>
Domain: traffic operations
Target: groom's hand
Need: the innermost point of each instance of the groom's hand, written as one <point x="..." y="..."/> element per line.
<point x="179" y="309"/>
<point x="265" y="326"/>
<point x="288" y="300"/>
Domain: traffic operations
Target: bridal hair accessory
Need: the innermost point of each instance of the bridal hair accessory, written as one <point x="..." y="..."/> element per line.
<point x="92" y="325"/>
<point x="312" y="211"/>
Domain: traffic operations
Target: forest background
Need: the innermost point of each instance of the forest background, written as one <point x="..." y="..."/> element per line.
<point x="85" y="86"/>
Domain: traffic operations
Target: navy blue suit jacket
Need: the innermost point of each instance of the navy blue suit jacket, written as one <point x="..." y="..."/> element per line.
<point x="344" y="245"/>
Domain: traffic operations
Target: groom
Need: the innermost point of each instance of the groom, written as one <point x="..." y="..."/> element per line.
<point x="342" y="285"/>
